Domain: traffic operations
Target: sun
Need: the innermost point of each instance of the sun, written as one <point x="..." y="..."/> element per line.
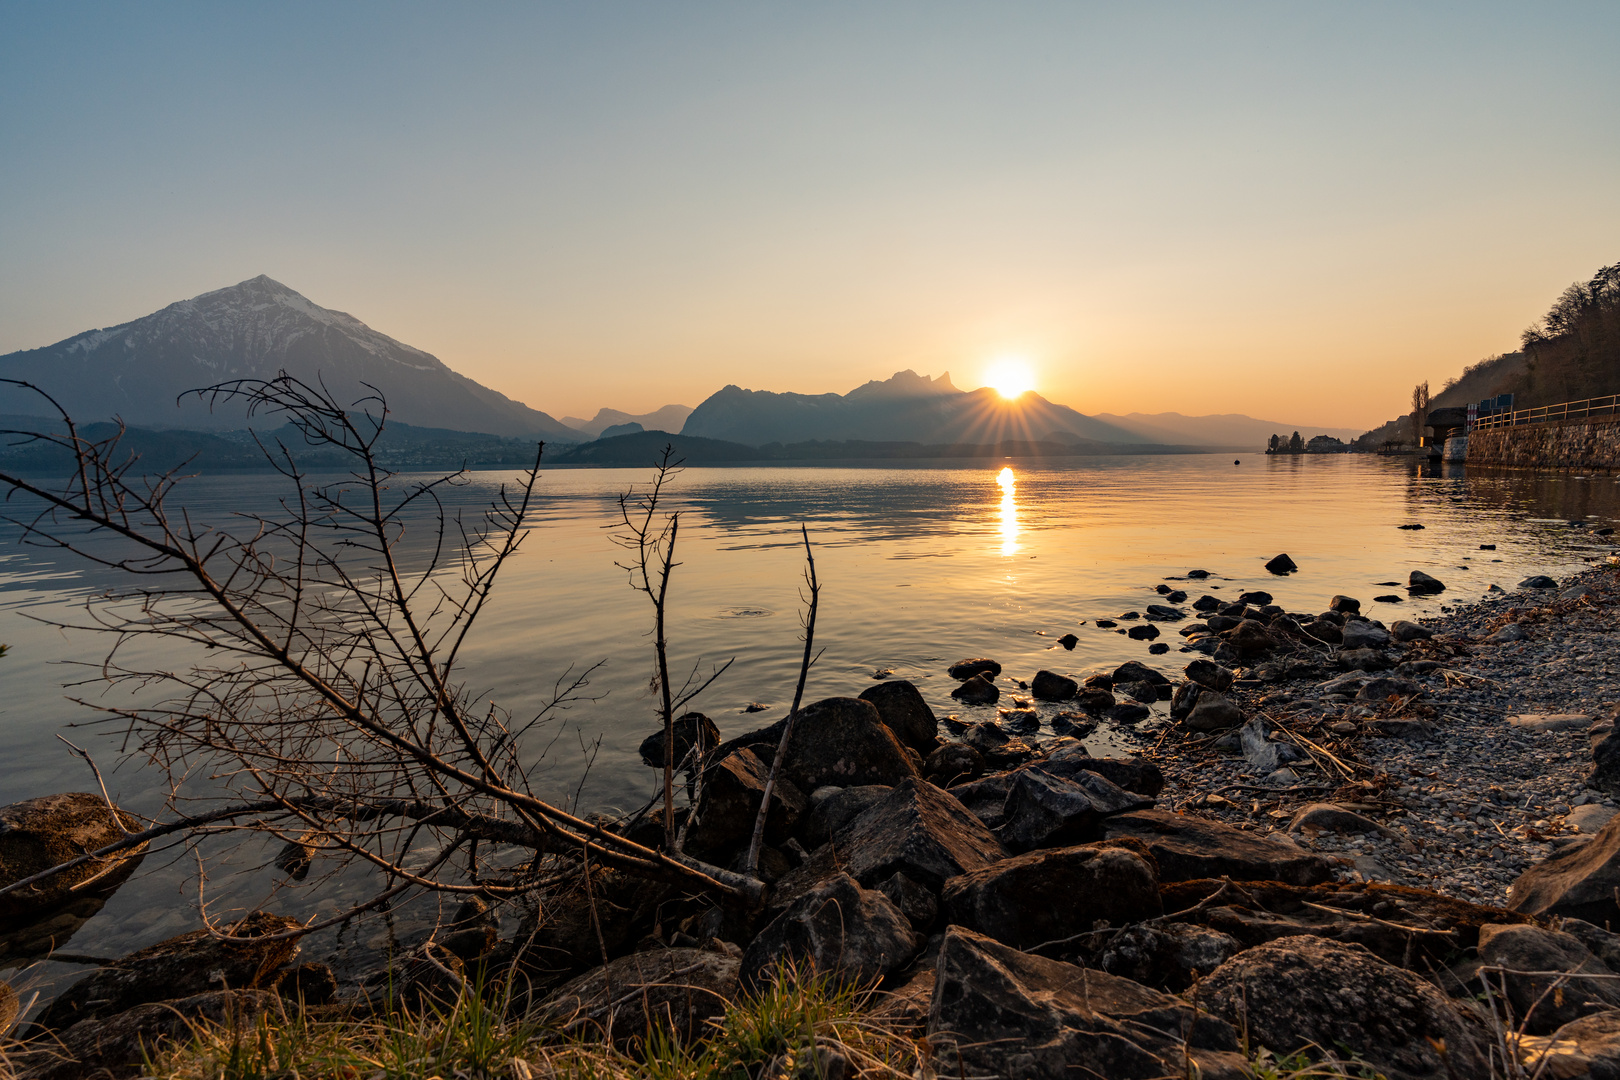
<point x="1010" y="376"/>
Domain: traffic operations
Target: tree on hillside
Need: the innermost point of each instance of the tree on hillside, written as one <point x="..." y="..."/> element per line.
<point x="1420" y="410"/>
<point x="1574" y="351"/>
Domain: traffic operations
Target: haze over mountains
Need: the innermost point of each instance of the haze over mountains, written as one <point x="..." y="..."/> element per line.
<point x="254" y="330"/>
<point x="258" y="328"/>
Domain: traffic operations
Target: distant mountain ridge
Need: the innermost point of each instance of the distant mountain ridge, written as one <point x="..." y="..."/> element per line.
<point x="254" y="330"/>
<point x="669" y="418"/>
<point x="1227" y="430"/>
<point x="904" y="408"/>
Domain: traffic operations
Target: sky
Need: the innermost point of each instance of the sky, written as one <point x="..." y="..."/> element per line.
<point x="1294" y="211"/>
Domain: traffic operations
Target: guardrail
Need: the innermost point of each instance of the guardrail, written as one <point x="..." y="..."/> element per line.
<point x="1552" y="414"/>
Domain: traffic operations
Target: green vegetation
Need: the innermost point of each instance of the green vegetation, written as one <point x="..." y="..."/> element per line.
<point x="786" y="1030"/>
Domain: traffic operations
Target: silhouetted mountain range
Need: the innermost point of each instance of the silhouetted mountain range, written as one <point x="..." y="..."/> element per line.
<point x="669" y="418"/>
<point x="1223" y="430"/>
<point x="254" y="330"/>
<point x="905" y="408"/>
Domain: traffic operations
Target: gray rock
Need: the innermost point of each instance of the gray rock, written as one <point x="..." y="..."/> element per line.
<point x="1050" y="686"/>
<point x="179" y="967"/>
<point x="1000" y="1012"/>
<point x="1165" y="614"/>
<point x="1127" y="713"/>
<point x="1249" y="638"/>
<point x="1380" y="690"/>
<point x="1133" y="671"/>
<point x="1506" y="635"/>
<point x="966" y="669"/>
<point x="1587" y="1048"/>
<point x="1169" y="955"/>
<point x="1538" y="581"/>
<point x="1364" y="635"/>
<point x="1206" y="603"/>
<point x="690" y="729"/>
<point x="1402" y="630"/>
<point x="1213" y="712"/>
<point x="1210" y="674"/>
<point x="1344" y="604"/>
<point x="1139" y="691"/>
<point x="1328" y="817"/>
<point x="1187" y="848"/>
<point x="1043" y="809"/>
<point x="1145" y="632"/>
<point x="1264" y="756"/>
<point x="977" y="690"/>
<point x="1579" y="882"/>
<point x="834" y="808"/>
<point x="732" y="790"/>
<point x="1282" y="564"/>
<point x="1364" y="660"/>
<point x="1420" y="584"/>
<point x="1605" y="774"/>
<point x="1545" y="1003"/>
<point x="1131" y="773"/>
<point x="112" y="1048"/>
<point x="903" y="711"/>
<point x="1031" y="899"/>
<point x="855" y="936"/>
<point x="843" y="742"/>
<point x="1306" y="993"/>
<point x="675" y="991"/>
<point x="920" y="831"/>
<point x="915" y="901"/>
<point x="952" y="763"/>
<point x="37" y="834"/>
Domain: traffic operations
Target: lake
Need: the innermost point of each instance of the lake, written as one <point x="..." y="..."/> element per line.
<point x="920" y="566"/>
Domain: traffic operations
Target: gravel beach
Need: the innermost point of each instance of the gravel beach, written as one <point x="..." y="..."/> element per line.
<point x="1469" y="780"/>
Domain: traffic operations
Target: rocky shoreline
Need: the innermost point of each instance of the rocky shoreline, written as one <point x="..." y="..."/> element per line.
<point x="1355" y="841"/>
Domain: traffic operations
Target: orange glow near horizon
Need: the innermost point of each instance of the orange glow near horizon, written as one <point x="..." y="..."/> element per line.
<point x="1008" y="483"/>
<point x="1010" y="376"/>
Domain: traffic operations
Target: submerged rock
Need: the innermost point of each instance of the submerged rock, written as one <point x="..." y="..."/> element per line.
<point x="966" y="669"/>
<point x="1420" y="584"/>
<point x="1050" y="686"/>
<point x="37" y="834"/>
<point x="977" y="690"/>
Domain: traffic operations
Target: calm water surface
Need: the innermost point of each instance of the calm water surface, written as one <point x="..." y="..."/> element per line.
<point x="919" y="567"/>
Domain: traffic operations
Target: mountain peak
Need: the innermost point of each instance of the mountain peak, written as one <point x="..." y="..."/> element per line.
<point x="905" y="383"/>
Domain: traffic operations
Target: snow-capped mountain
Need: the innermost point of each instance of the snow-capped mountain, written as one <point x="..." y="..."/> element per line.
<point x="255" y="330"/>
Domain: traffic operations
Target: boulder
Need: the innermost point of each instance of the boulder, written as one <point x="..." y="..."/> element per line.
<point x="1042" y="896"/>
<point x="1420" y="584"/>
<point x="1139" y="691"/>
<point x="182" y="966"/>
<point x="1578" y="882"/>
<point x="1096" y="700"/>
<point x="1538" y="581"/>
<point x="675" y="991"/>
<point x="37" y="834"/>
<point x="1206" y="603"/>
<point x="1304" y="993"/>
<point x="1507" y="635"/>
<point x="833" y="808"/>
<point x="693" y="728"/>
<point x="1264" y="756"/>
<point x="903" y="711"/>
<point x="1544" y="1003"/>
<point x="1000" y="1012"/>
<point x="1323" y="630"/>
<point x="1213" y="712"/>
<point x="1131" y="773"/>
<point x="1364" y="660"/>
<point x="1402" y="630"/>
<point x="854" y="935"/>
<point x="1209" y="674"/>
<point x="1135" y="671"/>
<point x="1168" y="955"/>
<point x="1162" y="613"/>
<point x="1249" y="638"/>
<point x="1364" y="635"/>
<point x="1257" y="597"/>
<point x="1605" y="774"/>
<point x="1050" y="686"/>
<point x="1329" y="817"/>
<point x="918" y="830"/>
<point x="952" y="763"/>
<point x="1128" y="713"/>
<point x="732" y="790"/>
<point x="966" y="669"/>
<point x="1145" y="632"/>
<point x="1044" y="809"/>
<point x="977" y="690"/>
<point x="1187" y="848"/>
<point x="1587" y="1048"/>
<point x="1379" y="690"/>
<point x="114" y="1047"/>
<point x="1068" y="641"/>
<point x="1346" y="605"/>
<point x="842" y="742"/>
<point x="916" y="901"/>
<point x="1281" y="564"/>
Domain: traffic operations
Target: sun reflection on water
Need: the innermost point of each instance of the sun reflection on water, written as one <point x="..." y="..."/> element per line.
<point x="1009" y="511"/>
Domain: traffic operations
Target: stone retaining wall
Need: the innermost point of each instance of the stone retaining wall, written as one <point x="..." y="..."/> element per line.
<point x="1578" y="444"/>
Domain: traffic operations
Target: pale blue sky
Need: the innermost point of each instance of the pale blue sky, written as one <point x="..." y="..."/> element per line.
<point x="1289" y="210"/>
